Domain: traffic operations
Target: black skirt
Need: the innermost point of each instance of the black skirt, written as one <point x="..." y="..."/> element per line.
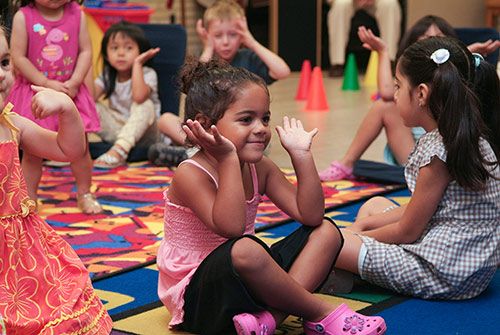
<point x="216" y="293"/>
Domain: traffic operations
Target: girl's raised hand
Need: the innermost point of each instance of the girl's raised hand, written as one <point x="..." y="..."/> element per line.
<point x="214" y="144"/>
<point x="47" y="102"/>
<point x="370" y="41"/>
<point x="293" y="137"/>
<point x="146" y="55"/>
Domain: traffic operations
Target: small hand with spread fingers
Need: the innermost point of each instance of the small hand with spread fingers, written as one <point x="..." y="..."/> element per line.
<point x="211" y="141"/>
<point x="293" y="137"/>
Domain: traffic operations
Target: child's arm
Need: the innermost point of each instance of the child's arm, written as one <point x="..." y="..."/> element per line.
<point x="68" y="144"/>
<point x="385" y="82"/>
<point x="305" y="203"/>
<point x="278" y="69"/>
<point x="83" y="61"/>
<point x="141" y="90"/>
<point x="433" y="179"/>
<point x="208" y="44"/>
<point x="221" y="209"/>
<point x="19" y="50"/>
<point x="378" y="220"/>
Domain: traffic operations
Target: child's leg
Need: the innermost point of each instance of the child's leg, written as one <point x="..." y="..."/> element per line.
<point x="377" y="212"/>
<point x="370" y="128"/>
<point x="125" y="133"/>
<point x="142" y="116"/>
<point x="170" y="125"/>
<point x="348" y="258"/>
<point x="32" y="171"/>
<point x="290" y="293"/>
<point x="399" y="136"/>
<point x="82" y="170"/>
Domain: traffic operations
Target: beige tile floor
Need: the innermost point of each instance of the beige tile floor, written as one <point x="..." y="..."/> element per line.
<point x="337" y="126"/>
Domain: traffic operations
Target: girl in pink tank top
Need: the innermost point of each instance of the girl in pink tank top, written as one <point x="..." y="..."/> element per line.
<point x="215" y="275"/>
<point x="51" y="48"/>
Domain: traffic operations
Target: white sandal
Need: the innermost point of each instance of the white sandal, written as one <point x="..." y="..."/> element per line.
<point x="88" y="204"/>
<point x="108" y="161"/>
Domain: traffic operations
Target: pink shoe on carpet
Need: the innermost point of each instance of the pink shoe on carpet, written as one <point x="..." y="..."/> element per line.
<point x="261" y="323"/>
<point x="344" y="320"/>
<point x="336" y="171"/>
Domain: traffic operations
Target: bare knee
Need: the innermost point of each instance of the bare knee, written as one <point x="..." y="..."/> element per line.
<point x="373" y="206"/>
<point x="328" y="235"/>
<point x="248" y="255"/>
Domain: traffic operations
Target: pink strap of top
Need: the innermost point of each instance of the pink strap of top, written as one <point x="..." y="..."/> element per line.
<point x="253" y="172"/>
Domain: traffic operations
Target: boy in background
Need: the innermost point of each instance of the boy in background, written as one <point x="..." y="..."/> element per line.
<point x="223" y="31"/>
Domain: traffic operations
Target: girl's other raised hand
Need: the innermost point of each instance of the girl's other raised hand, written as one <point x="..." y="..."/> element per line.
<point x="213" y="143"/>
<point x="293" y="137"/>
<point x="370" y="41"/>
<point x="146" y="55"/>
<point x="47" y="102"/>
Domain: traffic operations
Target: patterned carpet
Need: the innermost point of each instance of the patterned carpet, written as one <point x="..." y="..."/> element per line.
<point x="128" y="234"/>
<point x="133" y="304"/>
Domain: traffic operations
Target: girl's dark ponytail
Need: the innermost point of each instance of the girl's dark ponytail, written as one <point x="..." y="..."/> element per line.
<point x="456" y="110"/>
<point x="453" y="104"/>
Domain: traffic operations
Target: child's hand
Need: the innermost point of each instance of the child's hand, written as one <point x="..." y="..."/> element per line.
<point x="215" y="144"/>
<point x="47" y="102"/>
<point x="56" y="85"/>
<point x="71" y="87"/>
<point x="205" y="37"/>
<point x="246" y="36"/>
<point x="293" y="137"/>
<point x="370" y="41"/>
<point x="146" y="55"/>
<point x="484" y="48"/>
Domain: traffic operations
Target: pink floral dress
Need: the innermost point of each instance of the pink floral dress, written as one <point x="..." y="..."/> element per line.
<point x="44" y="287"/>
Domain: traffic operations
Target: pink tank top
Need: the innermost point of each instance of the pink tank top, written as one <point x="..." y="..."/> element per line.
<point x="186" y="243"/>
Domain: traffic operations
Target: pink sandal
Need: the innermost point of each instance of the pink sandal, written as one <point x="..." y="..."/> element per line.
<point x="261" y="323"/>
<point x="344" y="320"/>
<point x="336" y="171"/>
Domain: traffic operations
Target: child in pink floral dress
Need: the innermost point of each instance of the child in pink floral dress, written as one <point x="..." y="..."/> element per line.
<point x="44" y="287"/>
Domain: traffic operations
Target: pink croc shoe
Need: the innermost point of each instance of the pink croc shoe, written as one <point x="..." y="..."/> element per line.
<point x="261" y="323"/>
<point x="344" y="320"/>
<point x="336" y="171"/>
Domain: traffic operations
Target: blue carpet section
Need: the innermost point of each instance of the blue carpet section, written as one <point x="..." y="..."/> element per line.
<point x="140" y="285"/>
<point x="476" y="316"/>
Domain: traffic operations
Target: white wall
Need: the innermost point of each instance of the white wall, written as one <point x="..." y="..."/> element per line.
<point x="459" y="13"/>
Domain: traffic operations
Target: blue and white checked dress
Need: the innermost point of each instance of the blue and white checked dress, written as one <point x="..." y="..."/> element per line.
<point x="459" y="250"/>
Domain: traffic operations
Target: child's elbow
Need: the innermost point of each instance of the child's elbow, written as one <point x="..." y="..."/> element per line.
<point x="232" y="232"/>
<point x="386" y="94"/>
<point x="139" y="98"/>
<point x="281" y="74"/>
<point x="409" y="236"/>
<point x="313" y="221"/>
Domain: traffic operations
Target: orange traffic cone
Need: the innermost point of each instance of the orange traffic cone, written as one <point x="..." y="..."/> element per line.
<point x="305" y="78"/>
<point x="316" y="98"/>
